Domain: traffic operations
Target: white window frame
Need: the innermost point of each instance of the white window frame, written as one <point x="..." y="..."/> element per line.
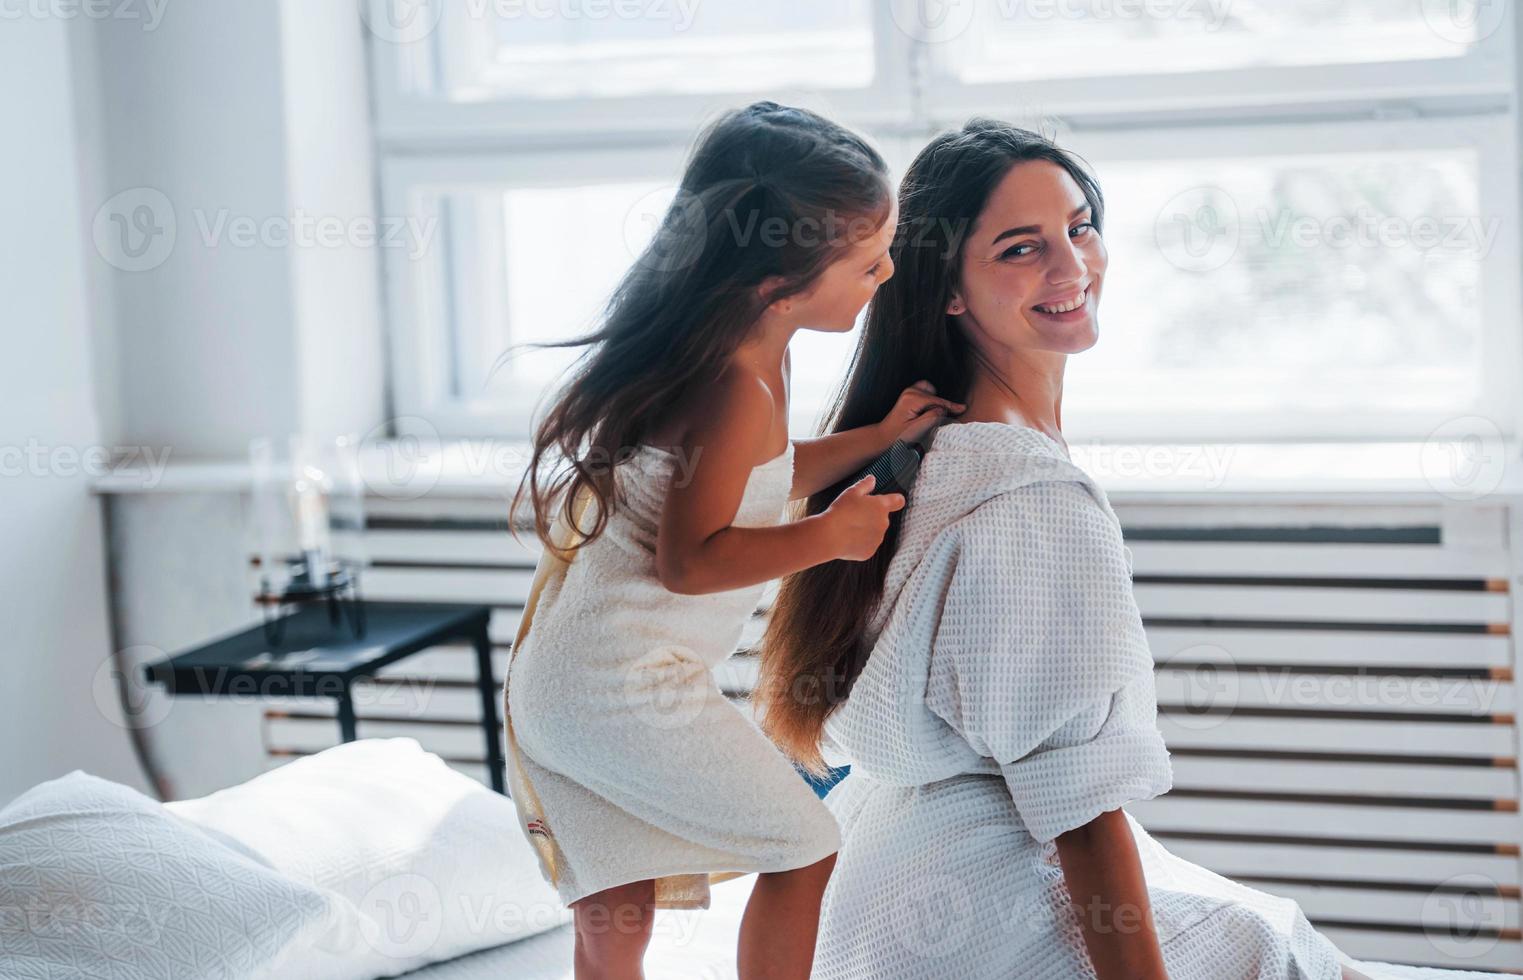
<point x="1499" y="301"/>
<point x="427" y="144"/>
<point x="409" y="115"/>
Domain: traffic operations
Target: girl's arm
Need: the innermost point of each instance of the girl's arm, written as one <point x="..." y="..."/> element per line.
<point x="823" y="462"/>
<point x="1110" y="896"/>
<point x="697" y="551"/>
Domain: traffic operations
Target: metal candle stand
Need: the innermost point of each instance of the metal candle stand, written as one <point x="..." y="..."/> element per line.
<point x="340" y="590"/>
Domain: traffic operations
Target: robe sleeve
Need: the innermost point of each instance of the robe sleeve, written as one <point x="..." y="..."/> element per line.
<point x="1040" y="661"/>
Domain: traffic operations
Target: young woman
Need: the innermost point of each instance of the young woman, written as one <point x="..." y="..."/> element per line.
<point x="667" y="462"/>
<point x="986" y="674"/>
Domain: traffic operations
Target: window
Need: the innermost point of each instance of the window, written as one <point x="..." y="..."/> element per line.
<point x="1312" y="205"/>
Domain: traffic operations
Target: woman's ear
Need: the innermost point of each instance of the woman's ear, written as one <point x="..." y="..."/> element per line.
<point x="956" y="307"/>
<point x="770" y="287"/>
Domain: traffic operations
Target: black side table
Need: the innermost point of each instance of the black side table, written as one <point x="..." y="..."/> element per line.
<point x="317" y="659"/>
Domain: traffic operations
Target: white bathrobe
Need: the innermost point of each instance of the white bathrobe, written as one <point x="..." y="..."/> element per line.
<point x="626" y="760"/>
<point x="1009" y="698"/>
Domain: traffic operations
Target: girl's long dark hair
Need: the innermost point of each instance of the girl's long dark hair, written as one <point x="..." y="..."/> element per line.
<point x="814" y="646"/>
<point x="759" y="197"/>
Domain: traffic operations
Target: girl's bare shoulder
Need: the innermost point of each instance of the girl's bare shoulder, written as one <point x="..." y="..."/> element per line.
<point x="740" y="407"/>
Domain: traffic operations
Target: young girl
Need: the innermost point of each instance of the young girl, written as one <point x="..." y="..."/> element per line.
<point x="665" y="466"/>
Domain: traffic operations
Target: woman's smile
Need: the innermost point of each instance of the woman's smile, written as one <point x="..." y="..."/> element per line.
<point x="1072" y="306"/>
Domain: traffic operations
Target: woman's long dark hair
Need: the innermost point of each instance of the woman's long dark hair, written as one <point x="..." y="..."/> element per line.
<point x="815" y="646"/>
<point x="759" y="197"/>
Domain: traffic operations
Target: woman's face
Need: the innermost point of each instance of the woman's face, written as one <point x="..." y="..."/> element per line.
<point x="833" y="301"/>
<point x="1033" y="265"/>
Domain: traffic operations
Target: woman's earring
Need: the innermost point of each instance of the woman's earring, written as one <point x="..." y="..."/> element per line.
<point x="956" y="308"/>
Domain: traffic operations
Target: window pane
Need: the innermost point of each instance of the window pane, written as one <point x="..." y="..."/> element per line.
<point x="567" y="247"/>
<point x="1307" y="284"/>
<point x="566" y="250"/>
<point x="546" y="49"/>
<point x="1007" y="40"/>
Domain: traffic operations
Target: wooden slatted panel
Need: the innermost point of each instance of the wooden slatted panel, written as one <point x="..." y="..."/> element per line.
<point x="1178" y="813"/>
<point x="1322" y="647"/>
<point x="313" y="731"/>
<point x="1342" y="861"/>
<point x="1404" y="946"/>
<point x="1322" y="605"/>
<point x="1337" y="688"/>
<point x="1330" y="777"/>
<point x="450" y="547"/>
<point x="1262" y="687"/>
<point x="484" y="585"/>
<point x="1402" y="906"/>
<point x="1295" y="733"/>
<point x="1354" y="561"/>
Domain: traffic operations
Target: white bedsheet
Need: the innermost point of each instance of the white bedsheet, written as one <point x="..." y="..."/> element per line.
<point x="700" y="945"/>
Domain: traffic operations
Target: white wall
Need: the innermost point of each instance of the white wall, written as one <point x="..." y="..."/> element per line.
<point x="246" y="118"/>
<point x="335" y="291"/>
<point x="54" y="634"/>
<point x="192" y="110"/>
<point x="203" y="118"/>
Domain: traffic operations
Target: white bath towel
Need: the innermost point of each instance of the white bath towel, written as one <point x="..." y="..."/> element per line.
<point x="1008" y="699"/>
<point x="626" y="760"/>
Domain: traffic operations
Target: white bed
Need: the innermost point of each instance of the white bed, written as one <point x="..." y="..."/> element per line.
<point x="701" y="946"/>
<point x="372" y="859"/>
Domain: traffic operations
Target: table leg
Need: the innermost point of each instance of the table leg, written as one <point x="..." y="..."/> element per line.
<point x="346" y="714"/>
<point x="489" y="721"/>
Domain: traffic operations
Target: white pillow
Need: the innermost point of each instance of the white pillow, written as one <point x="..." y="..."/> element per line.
<point x="432" y="856"/>
<point x="97" y="881"/>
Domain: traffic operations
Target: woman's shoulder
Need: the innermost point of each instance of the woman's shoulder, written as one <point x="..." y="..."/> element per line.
<point x="970" y="465"/>
<point x="1064" y="505"/>
<point x="1042" y="525"/>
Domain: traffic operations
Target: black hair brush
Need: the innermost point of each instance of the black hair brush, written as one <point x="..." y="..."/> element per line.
<point x="895" y="469"/>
